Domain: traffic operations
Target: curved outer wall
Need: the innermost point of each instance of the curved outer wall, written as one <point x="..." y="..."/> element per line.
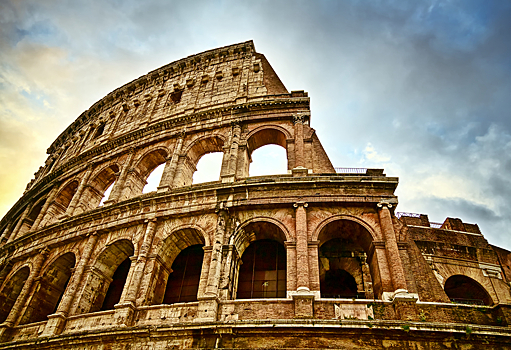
<point x="77" y="274"/>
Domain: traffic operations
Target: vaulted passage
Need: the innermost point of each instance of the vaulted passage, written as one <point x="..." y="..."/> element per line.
<point x="183" y="282"/>
<point x="50" y="290"/>
<point x="11" y="291"/>
<point x="465" y="290"/>
<point x="345" y="270"/>
<point x="114" y="292"/>
<point x="263" y="271"/>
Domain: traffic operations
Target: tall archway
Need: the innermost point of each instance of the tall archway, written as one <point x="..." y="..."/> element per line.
<point x="11" y="291"/>
<point x="188" y="164"/>
<point x="145" y="168"/>
<point x="183" y="281"/>
<point x="347" y="268"/>
<point x="263" y="263"/>
<point x="113" y="260"/>
<point x="61" y="202"/>
<point x="465" y="290"/>
<point x="257" y="142"/>
<point x="94" y="193"/>
<point x="50" y="290"/>
<point x="178" y="267"/>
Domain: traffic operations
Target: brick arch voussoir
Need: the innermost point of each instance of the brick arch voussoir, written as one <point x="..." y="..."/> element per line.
<point x="202" y="139"/>
<point x="54" y="257"/>
<point x="14" y="271"/>
<point x="240" y="242"/>
<point x="175" y="234"/>
<point x="364" y="224"/>
<point x="262" y="128"/>
<point x="147" y="151"/>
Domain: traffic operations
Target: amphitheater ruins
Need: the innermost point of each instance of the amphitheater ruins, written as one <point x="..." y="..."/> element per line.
<point x="313" y="258"/>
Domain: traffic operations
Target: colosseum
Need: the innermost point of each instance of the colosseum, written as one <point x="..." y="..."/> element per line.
<point x="317" y="257"/>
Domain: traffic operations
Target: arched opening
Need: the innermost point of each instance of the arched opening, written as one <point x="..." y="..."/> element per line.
<point x="183" y="282"/>
<point x="95" y="194"/>
<point x="114" y="292"/>
<point x="113" y="260"/>
<point x="153" y="181"/>
<point x="11" y="291"/>
<point x="464" y="290"/>
<point x="61" y="202"/>
<point x="150" y="167"/>
<point x="178" y="267"/>
<point x="106" y="195"/>
<point x="31" y="217"/>
<point x="346" y="270"/>
<point x="268" y="160"/>
<point x="99" y="131"/>
<point x="263" y="271"/>
<point x="50" y="290"/>
<point x="208" y="168"/>
<point x="188" y="165"/>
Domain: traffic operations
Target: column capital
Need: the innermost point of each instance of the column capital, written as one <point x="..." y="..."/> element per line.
<point x="301" y="118"/>
<point x="383" y="204"/>
<point x="300" y="204"/>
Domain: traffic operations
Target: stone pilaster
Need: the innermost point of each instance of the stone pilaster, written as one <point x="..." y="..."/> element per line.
<point x="302" y="255"/>
<point x="44" y="209"/>
<point x="397" y="273"/>
<point x="117" y="190"/>
<point x="169" y="171"/>
<point x="24" y="215"/>
<point x="76" y="198"/>
<point x="298" y="121"/>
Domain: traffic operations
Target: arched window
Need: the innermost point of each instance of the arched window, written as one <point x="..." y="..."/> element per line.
<point x="51" y="288"/>
<point x="268" y="160"/>
<point x="114" y="292"/>
<point x="11" y="291"/>
<point x="183" y="282"/>
<point x="263" y="271"/>
<point x="153" y="181"/>
<point x="106" y="195"/>
<point x="208" y="168"/>
<point x="465" y="290"/>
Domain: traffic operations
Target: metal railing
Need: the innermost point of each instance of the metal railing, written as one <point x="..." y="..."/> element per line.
<point x="410" y="215"/>
<point x="435" y="224"/>
<point x="350" y="170"/>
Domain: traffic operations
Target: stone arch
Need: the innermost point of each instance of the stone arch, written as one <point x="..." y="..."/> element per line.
<point x="94" y="192"/>
<point x="50" y="290"/>
<point x="346" y="243"/>
<point x="150" y="160"/>
<point x="170" y="248"/>
<point x="241" y="239"/>
<point x="11" y="290"/>
<point x="466" y="290"/>
<point x="61" y="202"/>
<point x="32" y="216"/>
<point x="187" y="164"/>
<point x="266" y="135"/>
<point x="100" y="276"/>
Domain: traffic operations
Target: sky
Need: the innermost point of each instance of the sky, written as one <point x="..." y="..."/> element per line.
<point x="421" y="89"/>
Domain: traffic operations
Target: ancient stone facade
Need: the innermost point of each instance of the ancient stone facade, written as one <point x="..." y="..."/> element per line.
<point x="315" y="258"/>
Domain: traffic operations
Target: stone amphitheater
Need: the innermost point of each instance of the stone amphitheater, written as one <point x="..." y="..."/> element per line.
<point x="313" y="258"/>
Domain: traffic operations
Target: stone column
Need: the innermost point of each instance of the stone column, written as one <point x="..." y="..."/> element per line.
<point x="124" y="310"/>
<point x="298" y="120"/>
<point x="232" y="158"/>
<point x="14" y="315"/>
<point x="76" y="198"/>
<point x="169" y="171"/>
<point x="397" y="273"/>
<point x="302" y="254"/>
<point x="115" y="195"/>
<point x="44" y="209"/>
<point x="140" y="264"/>
<point x="208" y="303"/>
<point x="24" y="215"/>
<point x="57" y="321"/>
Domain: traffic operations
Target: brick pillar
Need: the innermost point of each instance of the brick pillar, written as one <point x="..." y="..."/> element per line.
<point x="44" y="209"/>
<point x="291" y="266"/>
<point x="140" y="264"/>
<point x="314" y="282"/>
<point x="125" y="310"/>
<point x="208" y="303"/>
<point x="14" y="315"/>
<point x="397" y="273"/>
<point x="24" y="215"/>
<point x="232" y="156"/>
<point x="302" y="254"/>
<point x="57" y="321"/>
<point x="299" y="150"/>
<point x="76" y="198"/>
<point x="169" y="171"/>
<point x="116" y="193"/>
